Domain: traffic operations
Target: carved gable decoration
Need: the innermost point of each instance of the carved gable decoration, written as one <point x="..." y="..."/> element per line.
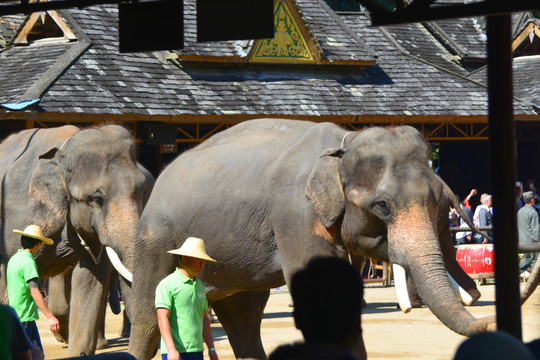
<point x="528" y="41"/>
<point x="288" y="44"/>
<point x="44" y="25"/>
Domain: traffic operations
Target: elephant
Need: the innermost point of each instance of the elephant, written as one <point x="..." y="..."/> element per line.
<point x="83" y="187"/>
<point x="268" y="195"/>
<point x="59" y="289"/>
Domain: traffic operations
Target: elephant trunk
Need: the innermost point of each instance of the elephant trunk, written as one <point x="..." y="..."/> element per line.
<point x="532" y="282"/>
<point x="122" y="231"/>
<point x="147" y="274"/>
<point x="416" y="247"/>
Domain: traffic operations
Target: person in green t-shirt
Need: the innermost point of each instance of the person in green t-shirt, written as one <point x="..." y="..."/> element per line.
<point x="181" y="304"/>
<point x="22" y="284"/>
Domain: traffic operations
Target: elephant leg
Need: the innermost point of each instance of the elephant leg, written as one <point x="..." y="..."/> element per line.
<point x="126" y="325"/>
<point x="114" y="303"/>
<point x="240" y="315"/>
<point x="59" y="293"/>
<point x="358" y="262"/>
<point x="90" y="286"/>
<point x="102" y="342"/>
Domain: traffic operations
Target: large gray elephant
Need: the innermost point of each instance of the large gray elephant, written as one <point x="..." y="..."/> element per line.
<point x="59" y="287"/>
<point x="84" y="189"/>
<point x="268" y="195"/>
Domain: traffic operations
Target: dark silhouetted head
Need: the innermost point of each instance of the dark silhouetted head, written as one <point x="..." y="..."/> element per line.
<point x="327" y="297"/>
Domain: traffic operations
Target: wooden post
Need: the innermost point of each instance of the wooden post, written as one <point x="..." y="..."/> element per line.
<point x="503" y="167"/>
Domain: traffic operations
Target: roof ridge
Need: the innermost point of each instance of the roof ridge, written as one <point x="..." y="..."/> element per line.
<point x="308" y="27"/>
<point x="349" y="31"/>
<point x="346" y="29"/>
<point x="18" y="31"/>
<point x="445" y="38"/>
<point x="37" y="89"/>
<point x="406" y="53"/>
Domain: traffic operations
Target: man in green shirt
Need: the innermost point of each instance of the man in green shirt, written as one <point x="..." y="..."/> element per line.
<point x="181" y="304"/>
<point x="22" y="284"/>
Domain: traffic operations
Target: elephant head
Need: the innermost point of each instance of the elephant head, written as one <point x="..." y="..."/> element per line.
<point x="390" y="203"/>
<point x="92" y="181"/>
<point x="86" y="191"/>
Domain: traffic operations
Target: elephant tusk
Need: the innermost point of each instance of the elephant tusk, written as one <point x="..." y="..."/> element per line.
<point x="400" y="282"/>
<point x="117" y="263"/>
<point x="460" y="292"/>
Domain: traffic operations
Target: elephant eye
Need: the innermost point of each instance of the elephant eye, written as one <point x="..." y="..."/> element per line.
<point x="381" y="208"/>
<point x="381" y="205"/>
<point x="97" y="198"/>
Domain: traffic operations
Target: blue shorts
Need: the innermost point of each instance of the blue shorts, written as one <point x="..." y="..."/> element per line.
<point x="31" y="330"/>
<point x="187" y="356"/>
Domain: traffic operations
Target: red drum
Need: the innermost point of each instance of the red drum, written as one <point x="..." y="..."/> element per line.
<point x="476" y="260"/>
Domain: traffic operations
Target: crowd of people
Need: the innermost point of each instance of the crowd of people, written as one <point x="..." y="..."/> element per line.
<point x="528" y="211"/>
<point x="482" y="217"/>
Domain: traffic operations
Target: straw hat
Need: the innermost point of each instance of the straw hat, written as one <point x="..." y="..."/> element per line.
<point x="34" y="231"/>
<point x="193" y="247"/>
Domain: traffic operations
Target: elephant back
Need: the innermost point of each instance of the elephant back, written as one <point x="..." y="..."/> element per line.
<point x="19" y="159"/>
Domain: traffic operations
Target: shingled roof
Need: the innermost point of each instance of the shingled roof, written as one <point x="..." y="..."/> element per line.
<point x="381" y="80"/>
<point x="525" y="73"/>
<point x="334" y="41"/>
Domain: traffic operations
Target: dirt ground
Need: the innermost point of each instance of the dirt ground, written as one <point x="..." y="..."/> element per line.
<point x="388" y="333"/>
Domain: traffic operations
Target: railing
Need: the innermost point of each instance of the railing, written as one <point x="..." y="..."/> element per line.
<point x="466" y="228"/>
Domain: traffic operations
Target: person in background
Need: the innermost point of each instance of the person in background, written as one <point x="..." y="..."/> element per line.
<point x="466" y="202"/>
<point x="464" y="237"/>
<point x="485" y="216"/>
<point x="528" y="231"/>
<point x="519" y="195"/>
<point x="181" y="306"/>
<point x="477" y="210"/>
<point x="22" y="284"/>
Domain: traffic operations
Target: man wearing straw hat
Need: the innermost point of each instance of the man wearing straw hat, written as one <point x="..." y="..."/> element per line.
<point x="22" y="284"/>
<point x="181" y="304"/>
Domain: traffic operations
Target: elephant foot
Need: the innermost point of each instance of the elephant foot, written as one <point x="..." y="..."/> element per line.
<point x="102" y="343"/>
<point x="60" y="338"/>
<point x="364" y="303"/>
<point x="417" y="304"/>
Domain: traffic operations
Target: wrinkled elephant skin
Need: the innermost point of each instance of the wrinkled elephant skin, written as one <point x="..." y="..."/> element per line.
<point x="534" y="278"/>
<point x="78" y="185"/>
<point x="268" y="195"/>
<point x="59" y="289"/>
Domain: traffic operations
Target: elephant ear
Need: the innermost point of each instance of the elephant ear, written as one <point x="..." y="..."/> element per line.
<point x="324" y="188"/>
<point x="48" y="190"/>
